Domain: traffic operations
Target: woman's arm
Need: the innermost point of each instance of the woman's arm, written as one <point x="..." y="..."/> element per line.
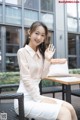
<point x="58" y="60"/>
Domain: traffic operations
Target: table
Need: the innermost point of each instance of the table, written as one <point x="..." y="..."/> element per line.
<point x="66" y="83"/>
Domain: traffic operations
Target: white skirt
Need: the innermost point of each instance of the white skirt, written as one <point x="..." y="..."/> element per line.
<point x="39" y="110"/>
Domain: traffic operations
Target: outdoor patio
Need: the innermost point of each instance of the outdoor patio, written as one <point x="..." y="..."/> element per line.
<point x="75" y="101"/>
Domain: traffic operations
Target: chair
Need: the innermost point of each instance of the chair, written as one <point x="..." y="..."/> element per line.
<point x="76" y="92"/>
<point x="8" y="107"/>
<point x="50" y="89"/>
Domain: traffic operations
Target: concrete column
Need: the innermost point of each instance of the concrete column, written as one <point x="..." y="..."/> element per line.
<point x="60" y="41"/>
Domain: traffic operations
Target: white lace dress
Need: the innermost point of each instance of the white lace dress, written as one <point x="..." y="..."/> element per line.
<point x="32" y="69"/>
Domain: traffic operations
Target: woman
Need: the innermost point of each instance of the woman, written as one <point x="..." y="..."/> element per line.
<point x="34" y="60"/>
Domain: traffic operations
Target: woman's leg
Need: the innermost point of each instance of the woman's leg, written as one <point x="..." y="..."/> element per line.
<point x="64" y="114"/>
<point x="67" y="111"/>
<point x="71" y="109"/>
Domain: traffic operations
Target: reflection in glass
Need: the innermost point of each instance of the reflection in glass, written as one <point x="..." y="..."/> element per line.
<point x="15" y="2"/>
<point x="47" y="19"/>
<point x="12" y="40"/>
<point x="34" y="4"/>
<point x="50" y="37"/>
<point x="30" y="17"/>
<point x="13" y="15"/>
<point x="12" y="46"/>
<point x="71" y="44"/>
<point x="72" y="10"/>
<point x="72" y="62"/>
<point x="11" y="63"/>
<point x="72" y="24"/>
<point x="47" y="5"/>
<point x="0" y="13"/>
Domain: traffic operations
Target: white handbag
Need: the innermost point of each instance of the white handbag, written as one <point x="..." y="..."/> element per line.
<point x="58" y="70"/>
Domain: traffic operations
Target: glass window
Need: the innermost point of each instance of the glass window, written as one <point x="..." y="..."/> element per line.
<point x="15" y="2"/>
<point x="11" y="63"/>
<point x="0" y="0"/>
<point x="71" y="44"/>
<point x="12" y="40"/>
<point x="0" y="49"/>
<point x="34" y="4"/>
<point x="0" y="13"/>
<point x="50" y="37"/>
<point x="47" y="5"/>
<point x="12" y="46"/>
<point x="30" y="17"/>
<point x="47" y="19"/>
<point x="72" y="63"/>
<point x="72" y="10"/>
<point x="79" y="10"/>
<point x="72" y="24"/>
<point x="13" y="15"/>
<point x="74" y="50"/>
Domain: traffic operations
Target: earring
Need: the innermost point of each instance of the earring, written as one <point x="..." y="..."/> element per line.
<point x="29" y="36"/>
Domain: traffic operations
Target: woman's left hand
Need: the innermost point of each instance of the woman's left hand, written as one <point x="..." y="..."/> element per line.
<point x="49" y="52"/>
<point x="58" y="60"/>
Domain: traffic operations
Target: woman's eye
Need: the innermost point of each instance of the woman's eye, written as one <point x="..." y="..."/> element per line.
<point x="37" y="33"/>
<point x="43" y="35"/>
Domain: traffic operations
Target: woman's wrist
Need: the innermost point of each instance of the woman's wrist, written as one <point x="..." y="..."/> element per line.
<point x="58" y="61"/>
<point x="47" y="59"/>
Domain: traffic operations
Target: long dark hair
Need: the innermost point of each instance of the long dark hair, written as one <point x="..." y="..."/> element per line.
<point x="42" y="47"/>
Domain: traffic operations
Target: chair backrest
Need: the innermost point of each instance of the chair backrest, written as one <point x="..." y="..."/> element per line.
<point x="58" y="70"/>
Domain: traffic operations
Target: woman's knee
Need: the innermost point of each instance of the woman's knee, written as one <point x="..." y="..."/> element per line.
<point x="64" y="114"/>
<point x="71" y="109"/>
<point x="69" y="106"/>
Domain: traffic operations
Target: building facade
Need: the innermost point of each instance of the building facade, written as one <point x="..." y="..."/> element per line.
<point x="62" y="20"/>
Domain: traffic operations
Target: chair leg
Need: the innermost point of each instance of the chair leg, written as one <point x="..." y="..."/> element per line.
<point x="63" y="96"/>
<point x="53" y="95"/>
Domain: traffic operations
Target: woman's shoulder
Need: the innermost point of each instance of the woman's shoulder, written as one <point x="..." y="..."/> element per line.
<point x="22" y="51"/>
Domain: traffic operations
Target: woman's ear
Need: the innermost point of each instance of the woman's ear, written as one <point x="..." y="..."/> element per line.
<point x="29" y="32"/>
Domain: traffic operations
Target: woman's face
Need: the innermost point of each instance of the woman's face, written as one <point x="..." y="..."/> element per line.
<point x="37" y="37"/>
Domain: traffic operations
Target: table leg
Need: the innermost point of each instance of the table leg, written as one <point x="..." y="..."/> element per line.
<point x="68" y="93"/>
<point x="63" y="92"/>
